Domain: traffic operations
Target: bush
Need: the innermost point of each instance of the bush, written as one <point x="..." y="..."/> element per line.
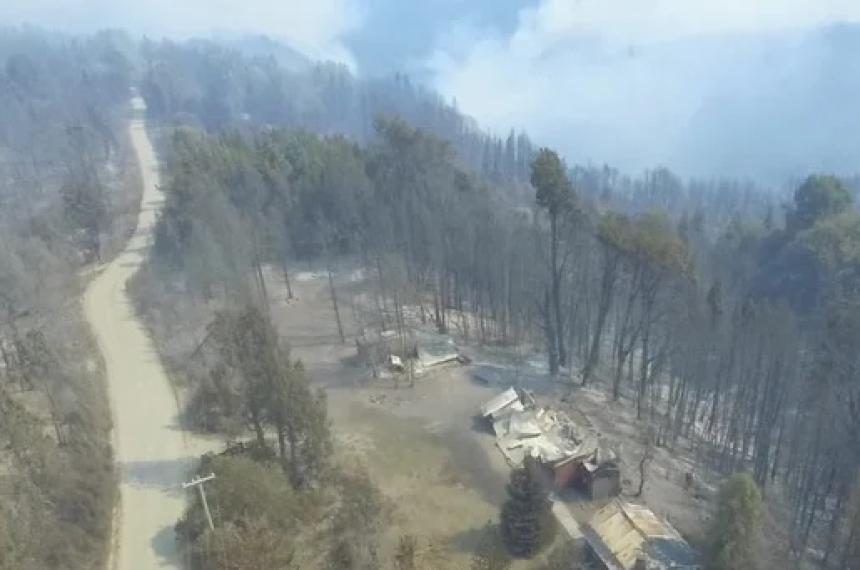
<point x="357" y="522"/>
<point x="243" y="490"/>
<point x="262" y="522"/>
<point x="251" y="544"/>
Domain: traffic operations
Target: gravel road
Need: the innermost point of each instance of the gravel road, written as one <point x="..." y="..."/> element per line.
<point x="150" y="446"/>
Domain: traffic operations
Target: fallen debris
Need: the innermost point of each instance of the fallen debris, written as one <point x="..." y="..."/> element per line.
<point x="413" y="348"/>
<point x="395" y="363"/>
<point x="570" y="455"/>
<point x="434" y="350"/>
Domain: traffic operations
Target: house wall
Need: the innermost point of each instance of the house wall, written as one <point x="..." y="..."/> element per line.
<point x="605" y="486"/>
<point x="565" y="474"/>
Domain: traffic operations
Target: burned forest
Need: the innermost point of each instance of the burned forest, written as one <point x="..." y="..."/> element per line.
<point x="266" y="306"/>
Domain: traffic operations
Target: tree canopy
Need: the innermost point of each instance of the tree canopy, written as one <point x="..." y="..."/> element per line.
<point x="736" y="529"/>
<point x="550" y="180"/>
<point x="817" y="198"/>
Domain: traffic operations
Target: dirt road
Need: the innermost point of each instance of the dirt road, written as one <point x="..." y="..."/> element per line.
<point x="149" y="444"/>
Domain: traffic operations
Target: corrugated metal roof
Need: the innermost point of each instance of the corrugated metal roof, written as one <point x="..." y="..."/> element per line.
<point x="621" y="532"/>
<point x="525" y="424"/>
<point x="500" y="401"/>
<point x="523" y="429"/>
<point x="502" y="418"/>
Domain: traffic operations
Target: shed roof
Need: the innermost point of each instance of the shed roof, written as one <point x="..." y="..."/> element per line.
<point x="619" y="533"/>
<point x="435" y="348"/>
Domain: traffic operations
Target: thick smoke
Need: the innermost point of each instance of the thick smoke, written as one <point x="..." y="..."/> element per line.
<point x="733" y="88"/>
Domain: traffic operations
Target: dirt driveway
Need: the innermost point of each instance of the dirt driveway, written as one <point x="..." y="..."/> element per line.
<point x="439" y="468"/>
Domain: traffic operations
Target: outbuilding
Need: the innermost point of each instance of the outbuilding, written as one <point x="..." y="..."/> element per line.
<point x="627" y="536"/>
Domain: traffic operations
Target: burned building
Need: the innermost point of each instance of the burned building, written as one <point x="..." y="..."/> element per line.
<point x="569" y="455"/>
<point x="376" y="347"/>
<point x="394" y="350"/>
<point x="598" y="477"/>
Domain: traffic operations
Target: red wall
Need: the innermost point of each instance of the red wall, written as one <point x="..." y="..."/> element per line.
<point x="565" y="474"/>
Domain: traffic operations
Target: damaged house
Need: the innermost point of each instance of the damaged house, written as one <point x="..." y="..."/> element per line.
<point x="569" y="456"/>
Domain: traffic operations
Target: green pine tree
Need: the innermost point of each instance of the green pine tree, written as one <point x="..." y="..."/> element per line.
<point x="526" y="513"/>
<point x="736" y="530"/>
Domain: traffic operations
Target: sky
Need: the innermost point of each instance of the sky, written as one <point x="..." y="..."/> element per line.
<point x="314" y="27"/>
<point x="637" y="82"/>
<point x="705" y="87"/>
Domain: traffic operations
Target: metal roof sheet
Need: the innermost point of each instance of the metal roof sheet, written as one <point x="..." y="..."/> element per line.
<point x="500" y="401"/>
<point x="621" y="532"/>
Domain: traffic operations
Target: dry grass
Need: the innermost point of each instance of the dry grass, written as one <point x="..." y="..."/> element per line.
<point x="63" y="511"/>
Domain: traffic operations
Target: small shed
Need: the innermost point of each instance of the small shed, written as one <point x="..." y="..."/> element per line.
<point x="604" y="481"/>
<point x="597" y="480"/>
<point x="597" y="474"/>
<point x="627" y="536"/>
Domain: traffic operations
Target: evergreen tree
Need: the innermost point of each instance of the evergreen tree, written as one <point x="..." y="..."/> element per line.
<point x="734" y="535"/>
<point x="525" y="514"/>
<point x="276" y="392"/>
<point x="817" y="198"/>
<point x="85" y="208"/>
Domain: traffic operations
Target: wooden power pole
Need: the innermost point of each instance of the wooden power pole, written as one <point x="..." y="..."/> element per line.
<point x="198" y="482"/>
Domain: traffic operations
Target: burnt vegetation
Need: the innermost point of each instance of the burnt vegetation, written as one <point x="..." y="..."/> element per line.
<point x="720" y="311"/>
<point x="727" y="316"/>
<point x="64" y="187"/>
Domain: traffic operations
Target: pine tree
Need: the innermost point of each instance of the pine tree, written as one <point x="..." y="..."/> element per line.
<point x="526" y="512"/>
<point x="85" y="208"/>
<point x="736" y="530"/>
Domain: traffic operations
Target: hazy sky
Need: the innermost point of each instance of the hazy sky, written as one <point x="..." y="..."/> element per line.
<point x="315" y="27"/>
<point x="628" y="81"/>
<point x="703" y="86"/>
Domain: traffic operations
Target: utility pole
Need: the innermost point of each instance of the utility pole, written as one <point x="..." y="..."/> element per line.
<point x="198" y="482"/>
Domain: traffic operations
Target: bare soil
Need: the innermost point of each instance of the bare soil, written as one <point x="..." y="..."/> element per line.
<point x="422" y="445"/>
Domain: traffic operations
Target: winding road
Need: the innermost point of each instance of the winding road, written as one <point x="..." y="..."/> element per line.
<point x="149" y="443"/>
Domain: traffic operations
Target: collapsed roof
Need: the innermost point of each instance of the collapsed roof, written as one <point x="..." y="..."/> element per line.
<point x="525" y="430"/>
<point x="425" y="349"/>
<point x="435" y="349"/>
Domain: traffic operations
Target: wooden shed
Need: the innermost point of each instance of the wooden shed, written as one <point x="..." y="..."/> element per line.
<point x="598" y="480"/>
